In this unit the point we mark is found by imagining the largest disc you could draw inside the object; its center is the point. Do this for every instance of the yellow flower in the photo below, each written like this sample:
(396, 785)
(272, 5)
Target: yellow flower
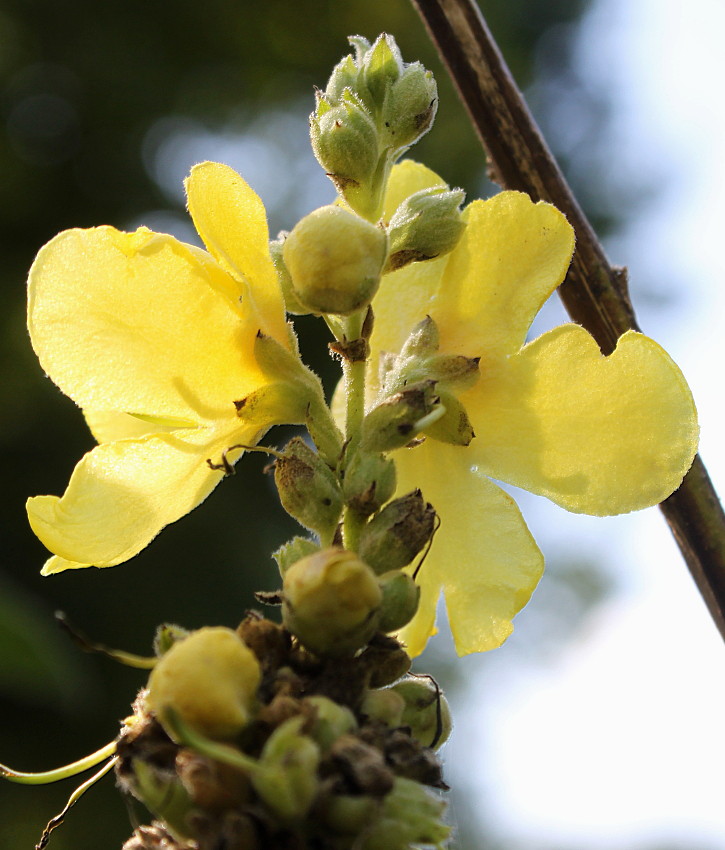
(597, 435)
(156, 340)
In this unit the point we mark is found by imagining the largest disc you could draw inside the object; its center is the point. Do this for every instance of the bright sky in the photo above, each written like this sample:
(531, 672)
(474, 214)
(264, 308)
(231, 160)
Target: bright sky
(619, 742)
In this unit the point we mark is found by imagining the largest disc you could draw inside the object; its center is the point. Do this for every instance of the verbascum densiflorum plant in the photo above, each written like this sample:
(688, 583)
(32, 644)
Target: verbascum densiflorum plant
(313, 733)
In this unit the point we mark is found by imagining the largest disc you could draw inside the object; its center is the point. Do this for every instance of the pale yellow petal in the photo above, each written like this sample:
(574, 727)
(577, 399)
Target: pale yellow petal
(597, 435)
(406, 178)
(483, 556)
(139, 323)
(231, 219)
(122, 494)
(108, 426)
(511, 257)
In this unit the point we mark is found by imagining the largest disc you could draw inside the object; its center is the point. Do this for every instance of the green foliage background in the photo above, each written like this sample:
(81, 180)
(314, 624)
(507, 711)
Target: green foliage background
(81, 85)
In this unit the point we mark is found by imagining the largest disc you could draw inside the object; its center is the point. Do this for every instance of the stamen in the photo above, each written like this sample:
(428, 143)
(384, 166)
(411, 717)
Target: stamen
(228, 467)
(48, 776)
(427, 548)
(140, 662)
(72, 800)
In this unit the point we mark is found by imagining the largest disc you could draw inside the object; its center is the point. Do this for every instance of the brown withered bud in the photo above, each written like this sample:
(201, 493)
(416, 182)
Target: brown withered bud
(398, 533)
(400, 418)
(369, 482)
(308, 489)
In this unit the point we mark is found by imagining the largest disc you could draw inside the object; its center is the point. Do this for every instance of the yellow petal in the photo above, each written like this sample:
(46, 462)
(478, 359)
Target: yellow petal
(511, 257)
(597, 435)
(107, 426)
(406, 178)
(139, 323)
(483, 556)
(122, 494)
(231, 220)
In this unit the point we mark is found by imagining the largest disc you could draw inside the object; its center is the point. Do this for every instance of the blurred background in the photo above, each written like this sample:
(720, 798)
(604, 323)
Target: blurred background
(598, 726)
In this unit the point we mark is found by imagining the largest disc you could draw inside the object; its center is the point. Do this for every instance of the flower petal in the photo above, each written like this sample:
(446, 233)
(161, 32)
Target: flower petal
(511, 257)
(122, 494)
(595, 434)
(139, 323)
(231, 219)
(483, 556)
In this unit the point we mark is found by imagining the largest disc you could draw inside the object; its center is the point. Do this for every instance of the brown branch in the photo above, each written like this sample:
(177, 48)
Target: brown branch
(594, 292)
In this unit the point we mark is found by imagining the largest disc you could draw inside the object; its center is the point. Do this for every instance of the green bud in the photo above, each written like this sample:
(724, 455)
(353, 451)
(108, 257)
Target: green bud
(209, 680)
(291, 303)
(369, 482)
(381, 67)
(308, 488)
(453, 370)
(335, 259)
(164, 795)
(344, 75)
(349, 814)
(411, 106)
(384, 705)
(167, 634)
(286, 776)
(426, 225)
(398, 419)
(331, 601)
(409, 815)
(454, 426)
(292, 551)
(386, 662)
(398, 533)
(426, 711)
(331, 721)
(400, 600)
(422, 341)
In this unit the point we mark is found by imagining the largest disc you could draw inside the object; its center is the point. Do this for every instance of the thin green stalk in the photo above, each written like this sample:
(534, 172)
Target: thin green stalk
(59, 773)
(354, 383)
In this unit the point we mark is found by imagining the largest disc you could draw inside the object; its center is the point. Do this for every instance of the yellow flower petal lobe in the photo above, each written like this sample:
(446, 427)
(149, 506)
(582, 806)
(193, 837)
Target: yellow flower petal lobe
(231, 219)
(139, 323)
(595, 434)
(511, 257)
(483, 556)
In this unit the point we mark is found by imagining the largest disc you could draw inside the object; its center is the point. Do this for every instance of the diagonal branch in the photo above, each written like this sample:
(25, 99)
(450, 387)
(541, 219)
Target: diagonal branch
(594, 292)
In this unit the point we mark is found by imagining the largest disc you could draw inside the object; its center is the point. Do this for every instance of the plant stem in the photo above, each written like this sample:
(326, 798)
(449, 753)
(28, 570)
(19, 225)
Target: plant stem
(354, 383)
(594, 292)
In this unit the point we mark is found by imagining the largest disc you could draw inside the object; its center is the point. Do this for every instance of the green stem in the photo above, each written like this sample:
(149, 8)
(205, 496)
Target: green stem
(354, 377)
(61, 772)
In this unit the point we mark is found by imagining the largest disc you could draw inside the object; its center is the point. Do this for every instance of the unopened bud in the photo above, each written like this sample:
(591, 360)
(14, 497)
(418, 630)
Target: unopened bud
(164, 795)
(411, 106)
(398, 533)
(454, 426)
(292, 303)
(344, 75)
(426, 225)
(331, 721)
(381, 67)
(400, 600)
(167, 634)
(209, 680)
(426, 711)
(286, 776)
(384, 705)
(292, 551)
(410, 815)
(369, 482)
(397, 420)
(308, 489)
(335, 259)
(331, 602)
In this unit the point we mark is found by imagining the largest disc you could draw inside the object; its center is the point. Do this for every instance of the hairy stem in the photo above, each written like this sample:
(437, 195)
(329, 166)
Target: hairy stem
(594, 292)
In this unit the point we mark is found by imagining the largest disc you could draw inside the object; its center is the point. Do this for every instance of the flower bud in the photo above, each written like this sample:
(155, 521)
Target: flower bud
(331, 601)
(369, 482)
(292, 551)
(426, 711)
(335, 259)
(398, 533)
(167, 634)
(308, 489)
(400, 600)
(291, 302)
(409, 815)
(398, 419)
(331, 721)
(426, 225)
(286, 776)
(209, 679)
(411, 106)
(164, 795)
(381, 67)
(384, 705)
(345, 75)
(453, 426)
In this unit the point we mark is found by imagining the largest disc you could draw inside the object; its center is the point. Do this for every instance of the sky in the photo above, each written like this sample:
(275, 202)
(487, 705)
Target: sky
(618, 741)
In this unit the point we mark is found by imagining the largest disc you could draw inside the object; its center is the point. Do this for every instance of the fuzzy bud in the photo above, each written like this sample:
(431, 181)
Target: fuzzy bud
(335, 259)
(398, 533)
(369, 482)
(411, 106)
(331, 721)
(308, 489)
(426, 711)
(409, 815)
(453, 426)
(426, 225)
(400, 600)
(384, 705)
(331, 601)
(398, 419)
(291, 301)
(209, 680)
